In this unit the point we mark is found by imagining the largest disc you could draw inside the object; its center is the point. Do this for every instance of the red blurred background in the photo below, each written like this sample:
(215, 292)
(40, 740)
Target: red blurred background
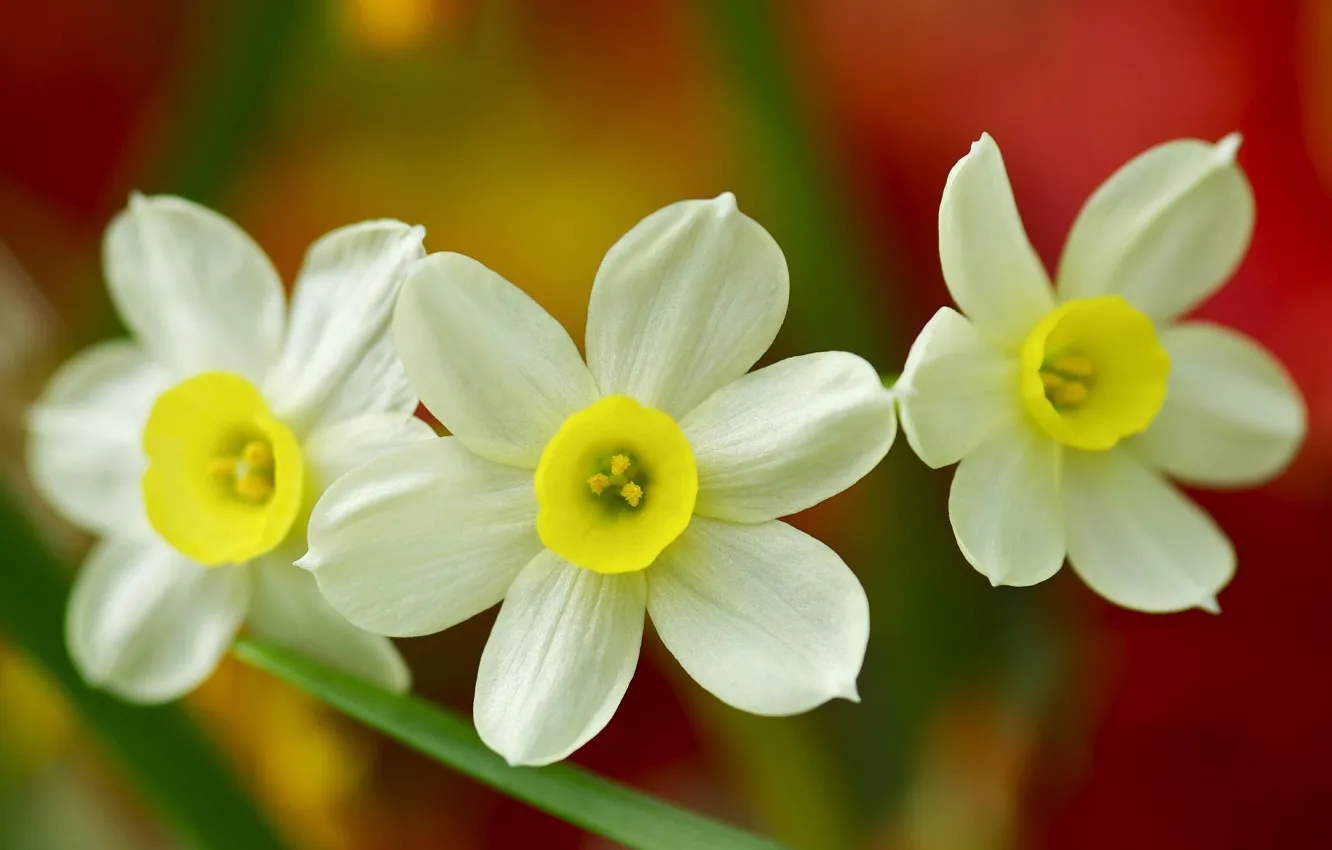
(531, 135)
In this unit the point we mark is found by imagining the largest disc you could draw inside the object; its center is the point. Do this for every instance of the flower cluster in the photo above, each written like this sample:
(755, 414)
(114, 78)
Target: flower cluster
(246, 464)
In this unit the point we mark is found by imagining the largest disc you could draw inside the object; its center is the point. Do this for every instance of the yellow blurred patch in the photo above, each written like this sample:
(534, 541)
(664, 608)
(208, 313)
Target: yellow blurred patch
(35, 723)
(311, 766)
(392, 26)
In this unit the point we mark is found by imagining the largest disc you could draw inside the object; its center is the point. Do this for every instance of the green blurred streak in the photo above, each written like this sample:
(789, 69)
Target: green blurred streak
(786, 766)
(166, 755)
(564, 790)
(225, 98)
(804, 201)
(935, 621)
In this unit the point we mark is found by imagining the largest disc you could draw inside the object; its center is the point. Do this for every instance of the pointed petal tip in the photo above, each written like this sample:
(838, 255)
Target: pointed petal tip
(725, 204)
(849, 692)
(518, 760)
(138, 203)
(1228, 147)
(1210, 605)
(306, 562)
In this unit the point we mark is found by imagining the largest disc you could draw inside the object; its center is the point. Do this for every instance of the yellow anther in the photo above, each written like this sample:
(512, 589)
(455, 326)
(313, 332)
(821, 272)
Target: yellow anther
(619, 464)
(631, 492)
(598, 483)
(251, 474)
(1071, 366)
(1051, 381)
(258, 455)
(1068, 394)
(256, 488)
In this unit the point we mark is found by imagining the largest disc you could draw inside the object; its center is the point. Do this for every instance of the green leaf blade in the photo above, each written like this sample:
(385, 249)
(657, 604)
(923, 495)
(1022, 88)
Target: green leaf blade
(568, 792)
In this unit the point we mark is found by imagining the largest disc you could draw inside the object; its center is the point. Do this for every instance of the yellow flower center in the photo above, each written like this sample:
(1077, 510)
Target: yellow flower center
(615, 485)
(225, 479)
(1093, 372)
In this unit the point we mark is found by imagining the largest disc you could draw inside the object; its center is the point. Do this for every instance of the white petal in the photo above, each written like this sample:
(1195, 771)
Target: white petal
(488, 362)
(1165, 231)
(422, 538)
(288, 610)
(195, 289)
(559, 659)
(788, 436)
(85, 450)
(957, 388)
(147, 623)
(334, 450)
(1232, 416)
(684, 304)
(991, 269)
(338, 361)
(765, 617)
(1005, 507)
(1137, 540)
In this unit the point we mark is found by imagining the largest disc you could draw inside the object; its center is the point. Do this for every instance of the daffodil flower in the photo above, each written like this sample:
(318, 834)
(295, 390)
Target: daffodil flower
(1068, 405)
(196, 450)
(649, 479)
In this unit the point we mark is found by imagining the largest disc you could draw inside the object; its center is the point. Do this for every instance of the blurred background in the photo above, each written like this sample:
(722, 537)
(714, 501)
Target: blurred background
(530, 135)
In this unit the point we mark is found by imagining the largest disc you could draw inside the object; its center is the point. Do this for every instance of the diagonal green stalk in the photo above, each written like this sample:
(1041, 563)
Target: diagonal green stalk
(165, 754)
(568, 792)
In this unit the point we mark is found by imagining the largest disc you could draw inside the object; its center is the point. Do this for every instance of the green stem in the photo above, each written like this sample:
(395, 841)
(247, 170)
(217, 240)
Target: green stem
(564, 790)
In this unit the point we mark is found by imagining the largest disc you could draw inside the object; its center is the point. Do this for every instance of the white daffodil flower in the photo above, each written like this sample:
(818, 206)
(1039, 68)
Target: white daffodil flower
(196, 451)
(648, 479)
(1068, 405)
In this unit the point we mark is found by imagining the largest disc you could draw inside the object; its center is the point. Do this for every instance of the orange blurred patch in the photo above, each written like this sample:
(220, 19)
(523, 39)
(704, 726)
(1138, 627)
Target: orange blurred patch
(309, 765)
(1316, 84)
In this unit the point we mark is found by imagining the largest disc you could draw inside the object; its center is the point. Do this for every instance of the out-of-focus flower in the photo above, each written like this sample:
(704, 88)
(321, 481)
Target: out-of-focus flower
(649, 479)
(1065, 404)
(196, 451)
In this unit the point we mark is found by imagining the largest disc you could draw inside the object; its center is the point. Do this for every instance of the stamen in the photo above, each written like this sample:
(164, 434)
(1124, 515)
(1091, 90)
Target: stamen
(1067, 394)
(1064, 379)
(632, 493)
(256, 488)
(599, 483)
(258, 455)
(619, 464)
(251, 474)
(1071, 366)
